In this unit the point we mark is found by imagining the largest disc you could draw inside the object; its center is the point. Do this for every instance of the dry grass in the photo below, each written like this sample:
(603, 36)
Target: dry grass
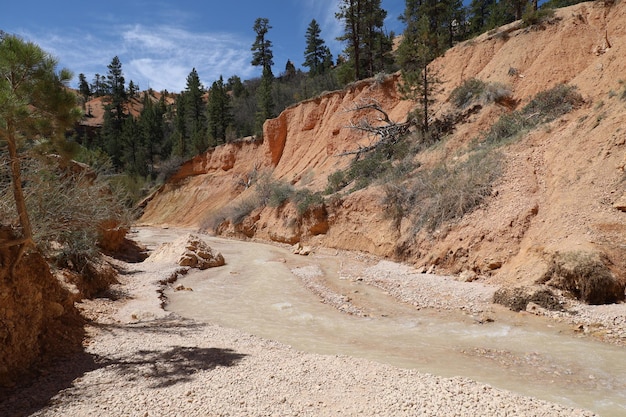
(586, 276)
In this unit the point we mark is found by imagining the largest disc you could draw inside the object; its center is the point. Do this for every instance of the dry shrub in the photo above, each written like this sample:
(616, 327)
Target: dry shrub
(517, 298)
(584, 275)
(67, 207)
(444, 193)
(543, 108)
(475, 90)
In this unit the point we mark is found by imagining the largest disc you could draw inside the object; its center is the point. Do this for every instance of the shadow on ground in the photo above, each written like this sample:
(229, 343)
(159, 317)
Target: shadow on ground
(178, 364)
(161, 367)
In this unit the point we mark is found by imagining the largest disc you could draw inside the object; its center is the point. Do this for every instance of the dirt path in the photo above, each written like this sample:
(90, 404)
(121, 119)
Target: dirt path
(143, 361)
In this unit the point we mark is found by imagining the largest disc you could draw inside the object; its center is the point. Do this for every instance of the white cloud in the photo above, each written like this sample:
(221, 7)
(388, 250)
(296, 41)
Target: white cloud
(163, 56)
(158, 57)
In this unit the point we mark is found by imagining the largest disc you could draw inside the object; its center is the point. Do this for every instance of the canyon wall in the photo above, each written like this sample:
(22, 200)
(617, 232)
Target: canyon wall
(562, 183)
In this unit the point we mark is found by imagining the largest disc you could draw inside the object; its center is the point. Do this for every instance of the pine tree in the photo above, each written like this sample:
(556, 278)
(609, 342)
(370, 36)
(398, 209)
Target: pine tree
(83, 86)
(34, 101)
(265, 101)
(419, 47)
(363, 32)
(191, 118)
(115, 84)
(219, 112)
(316, 54)
(151, 128)
(262, 55)
(479, 13)
(114, 115)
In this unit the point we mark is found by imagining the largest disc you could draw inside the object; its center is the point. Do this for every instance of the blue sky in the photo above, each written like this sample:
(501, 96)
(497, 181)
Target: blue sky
(159, 42)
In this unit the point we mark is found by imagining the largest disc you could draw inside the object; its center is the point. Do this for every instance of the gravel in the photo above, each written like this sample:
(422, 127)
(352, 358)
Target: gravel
(143, 361)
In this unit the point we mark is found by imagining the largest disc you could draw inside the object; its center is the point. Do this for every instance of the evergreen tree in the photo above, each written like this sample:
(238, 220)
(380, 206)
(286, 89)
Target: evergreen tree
(420, 45)
(115, 84)
(219, 112)
(34, 101)
(152, 132)
(363, 32)
(316, 54)
(133, 89)
(133, 154)
(98, 87)
(114, 113)
(290, 71)
(265, 101)
(479, 15)
(262, 55)
(191, 118)
(235, 85)
(83, 86)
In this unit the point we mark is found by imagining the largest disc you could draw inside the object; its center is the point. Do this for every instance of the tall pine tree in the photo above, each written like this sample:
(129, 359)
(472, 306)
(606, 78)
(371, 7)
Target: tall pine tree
(366, 41)
(316, 55)
(262, 55)
(219, 111)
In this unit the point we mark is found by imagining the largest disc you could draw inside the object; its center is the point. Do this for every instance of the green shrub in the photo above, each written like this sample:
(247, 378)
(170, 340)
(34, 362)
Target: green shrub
(273, 193)
(66, 207)
(467, 92)
(534, 17)
(304, 199)
(551, 104)
(473, 90)
(336, 181)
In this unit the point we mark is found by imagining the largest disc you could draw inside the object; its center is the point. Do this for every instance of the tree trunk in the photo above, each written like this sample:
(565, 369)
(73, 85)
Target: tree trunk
(18, 195)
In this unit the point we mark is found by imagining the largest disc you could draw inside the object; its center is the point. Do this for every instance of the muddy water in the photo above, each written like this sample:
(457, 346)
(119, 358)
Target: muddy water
(257, 293)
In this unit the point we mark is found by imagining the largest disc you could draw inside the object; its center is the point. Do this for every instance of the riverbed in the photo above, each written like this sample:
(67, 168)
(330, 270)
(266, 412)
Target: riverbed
(263, 290)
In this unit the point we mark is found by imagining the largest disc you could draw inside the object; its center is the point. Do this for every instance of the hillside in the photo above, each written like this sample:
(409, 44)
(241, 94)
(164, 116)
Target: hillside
(563, 185)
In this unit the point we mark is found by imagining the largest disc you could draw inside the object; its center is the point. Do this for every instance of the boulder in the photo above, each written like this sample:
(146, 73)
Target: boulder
(200, 255)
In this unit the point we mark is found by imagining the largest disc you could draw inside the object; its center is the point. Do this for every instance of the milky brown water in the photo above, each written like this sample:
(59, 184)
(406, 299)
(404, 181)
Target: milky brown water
(257, 293)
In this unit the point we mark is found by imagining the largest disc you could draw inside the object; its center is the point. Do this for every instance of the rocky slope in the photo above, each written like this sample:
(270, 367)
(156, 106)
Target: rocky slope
(562, 191)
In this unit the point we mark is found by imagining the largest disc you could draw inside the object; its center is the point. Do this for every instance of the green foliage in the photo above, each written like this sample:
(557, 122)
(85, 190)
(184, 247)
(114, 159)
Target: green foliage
(473, 90)
(67, 207)
(262, 47)
(534, 17)
(555, 4)
(317, 56)
(304, 199)
(265, 101)
(467, 92)
(543, 108)
(367, 46)
(390, 160)
(273, 193)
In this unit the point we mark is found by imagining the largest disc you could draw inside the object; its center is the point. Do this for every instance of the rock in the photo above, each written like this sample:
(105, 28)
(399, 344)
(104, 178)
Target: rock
(620, 204)
(467, 276)
(199, 255)
(492, 265)
(298, 249)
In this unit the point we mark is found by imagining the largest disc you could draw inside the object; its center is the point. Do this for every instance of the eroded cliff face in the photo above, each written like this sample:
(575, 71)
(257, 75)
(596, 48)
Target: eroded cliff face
(562, 183)
(38, 319)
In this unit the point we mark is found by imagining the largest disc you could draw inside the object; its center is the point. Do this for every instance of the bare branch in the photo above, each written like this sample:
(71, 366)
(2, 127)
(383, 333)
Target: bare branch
(389, 132)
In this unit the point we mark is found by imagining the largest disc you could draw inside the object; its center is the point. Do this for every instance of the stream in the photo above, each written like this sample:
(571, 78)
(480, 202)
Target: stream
(257, 293)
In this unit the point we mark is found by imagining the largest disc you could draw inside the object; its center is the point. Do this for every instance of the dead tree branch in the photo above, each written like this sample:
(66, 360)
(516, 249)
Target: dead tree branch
(388, 133)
